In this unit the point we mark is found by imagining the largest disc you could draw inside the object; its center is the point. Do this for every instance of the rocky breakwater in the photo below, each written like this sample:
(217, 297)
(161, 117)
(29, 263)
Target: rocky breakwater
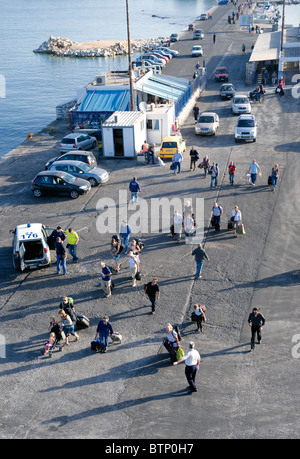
(64, 47)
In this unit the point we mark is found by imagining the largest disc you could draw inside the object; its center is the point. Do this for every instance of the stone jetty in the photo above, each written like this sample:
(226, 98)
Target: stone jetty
(65, 47)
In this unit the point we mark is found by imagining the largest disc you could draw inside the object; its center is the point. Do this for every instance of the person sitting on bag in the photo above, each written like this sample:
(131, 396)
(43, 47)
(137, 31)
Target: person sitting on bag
(236, 217)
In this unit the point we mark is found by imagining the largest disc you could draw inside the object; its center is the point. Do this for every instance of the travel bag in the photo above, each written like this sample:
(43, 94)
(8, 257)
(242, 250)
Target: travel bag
(82, 321)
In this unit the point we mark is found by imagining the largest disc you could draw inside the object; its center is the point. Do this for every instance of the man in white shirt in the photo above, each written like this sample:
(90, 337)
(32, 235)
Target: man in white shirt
(192, 361)
(253, 169)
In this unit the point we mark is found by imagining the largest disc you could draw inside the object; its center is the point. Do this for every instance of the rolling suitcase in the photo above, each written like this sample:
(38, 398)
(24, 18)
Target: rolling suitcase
(231, 225)
(270, 180)
(82, 321)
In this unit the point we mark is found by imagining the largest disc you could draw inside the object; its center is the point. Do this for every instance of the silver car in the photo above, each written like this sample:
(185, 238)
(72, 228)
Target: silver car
(94, 175)
(77, 142)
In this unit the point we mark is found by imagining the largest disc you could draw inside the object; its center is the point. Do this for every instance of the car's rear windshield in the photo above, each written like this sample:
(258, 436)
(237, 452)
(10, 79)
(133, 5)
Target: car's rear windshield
(206, 119)
(169, 145)
(68, 141)
(240, 100)
(246, 123)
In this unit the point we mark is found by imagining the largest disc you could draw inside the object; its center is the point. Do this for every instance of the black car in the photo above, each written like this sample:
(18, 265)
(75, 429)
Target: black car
(227, 91)
(59, 183)
(84, 156)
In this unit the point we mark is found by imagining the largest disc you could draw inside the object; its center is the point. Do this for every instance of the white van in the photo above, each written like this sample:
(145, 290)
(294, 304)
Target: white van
(31, 248)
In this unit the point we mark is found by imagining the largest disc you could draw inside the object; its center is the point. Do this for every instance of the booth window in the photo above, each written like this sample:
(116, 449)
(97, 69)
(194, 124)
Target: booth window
(152, 125)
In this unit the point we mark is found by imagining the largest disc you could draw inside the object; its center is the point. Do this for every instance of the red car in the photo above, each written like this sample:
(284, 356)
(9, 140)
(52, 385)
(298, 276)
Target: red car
(221, 74)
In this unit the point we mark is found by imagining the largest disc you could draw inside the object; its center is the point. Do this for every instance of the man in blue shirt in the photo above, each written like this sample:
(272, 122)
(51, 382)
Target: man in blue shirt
(177, 159)
(104, 329)
(253, 168)
(125, 232)
(134, 188)
(106, 279)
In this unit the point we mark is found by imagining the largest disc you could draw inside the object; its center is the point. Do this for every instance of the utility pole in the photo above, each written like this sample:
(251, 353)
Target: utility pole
(129, 59)
(282, 29)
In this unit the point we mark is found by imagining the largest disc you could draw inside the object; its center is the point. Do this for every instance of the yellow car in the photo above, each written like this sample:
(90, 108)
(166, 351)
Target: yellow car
(170, 145)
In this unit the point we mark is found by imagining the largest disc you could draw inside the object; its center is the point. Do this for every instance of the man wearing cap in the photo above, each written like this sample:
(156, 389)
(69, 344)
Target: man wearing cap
(192, 361)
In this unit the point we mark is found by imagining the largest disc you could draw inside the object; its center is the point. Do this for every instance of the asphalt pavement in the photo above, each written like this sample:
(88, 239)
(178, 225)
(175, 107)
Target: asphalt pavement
(133, 391)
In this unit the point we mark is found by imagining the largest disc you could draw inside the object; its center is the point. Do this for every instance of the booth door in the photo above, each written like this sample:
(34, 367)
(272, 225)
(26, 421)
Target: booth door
(118, 142)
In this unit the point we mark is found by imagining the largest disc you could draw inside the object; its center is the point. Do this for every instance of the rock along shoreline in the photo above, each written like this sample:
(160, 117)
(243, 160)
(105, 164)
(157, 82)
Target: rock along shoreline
(64, 47)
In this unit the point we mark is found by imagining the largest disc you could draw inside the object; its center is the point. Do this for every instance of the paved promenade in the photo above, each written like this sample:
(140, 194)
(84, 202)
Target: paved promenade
(133, 392)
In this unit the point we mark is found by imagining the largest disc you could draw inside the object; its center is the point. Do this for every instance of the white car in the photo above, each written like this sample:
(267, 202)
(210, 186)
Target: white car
(77, 142)
(240, 104)
(198, 34)
(207, 124)
(31, 248)
(245, 128)
(197, 51)
(203, 17)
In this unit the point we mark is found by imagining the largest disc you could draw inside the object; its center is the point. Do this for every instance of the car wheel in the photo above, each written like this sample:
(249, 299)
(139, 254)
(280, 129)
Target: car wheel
(254, 140)
(74, 194)
(93, 182)
(37, 193)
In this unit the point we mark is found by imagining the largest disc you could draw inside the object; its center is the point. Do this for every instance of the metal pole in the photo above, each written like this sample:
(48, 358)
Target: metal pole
(282, 30)
(129, 59)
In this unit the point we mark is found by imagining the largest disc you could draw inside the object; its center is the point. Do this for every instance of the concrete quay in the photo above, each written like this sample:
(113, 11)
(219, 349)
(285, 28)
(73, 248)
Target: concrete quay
(133, 392)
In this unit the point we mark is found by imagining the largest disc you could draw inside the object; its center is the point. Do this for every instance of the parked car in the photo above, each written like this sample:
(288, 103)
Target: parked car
(77, 142)
(171, 51)
(164, 52)
(198, 34)
(153, 59)
(147, 65)
(207, 124)
(94, 175)
(84, 156)
(170, 145)
(31, 248)
(246, 128)
(174, 37)
(159, 56)
(197, 51)
(227, 91)
(59, 183)
(221, 74)
(203, 17)
(240, 104)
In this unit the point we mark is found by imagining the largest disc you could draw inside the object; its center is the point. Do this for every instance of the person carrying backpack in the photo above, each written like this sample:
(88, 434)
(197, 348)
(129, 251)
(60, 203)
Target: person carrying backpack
(67, 305)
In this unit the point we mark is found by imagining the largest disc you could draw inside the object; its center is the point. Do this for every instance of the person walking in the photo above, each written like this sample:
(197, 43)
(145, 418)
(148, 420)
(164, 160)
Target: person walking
(105, 279)
(236, 217)
(200, 310)
(61, 256)
(152, 291)
(104, 329)
(205, 164)
(217, 212)
(68, 326)
(196, 111)
(177, 222)
(67, 305)
(231, 171)
(194, 158)
(115, 250)
(243, 48)
(172, 342)
(125, 232)
(134, 188)
(253, 169)
(133, 267)
(192, 362)
(177, 159)
(275, 176)
(73, 240)
(214, 175)
(256, 322)
(199, 254)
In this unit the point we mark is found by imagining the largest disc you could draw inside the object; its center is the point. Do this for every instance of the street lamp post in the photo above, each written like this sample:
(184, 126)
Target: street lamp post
(129, 59)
